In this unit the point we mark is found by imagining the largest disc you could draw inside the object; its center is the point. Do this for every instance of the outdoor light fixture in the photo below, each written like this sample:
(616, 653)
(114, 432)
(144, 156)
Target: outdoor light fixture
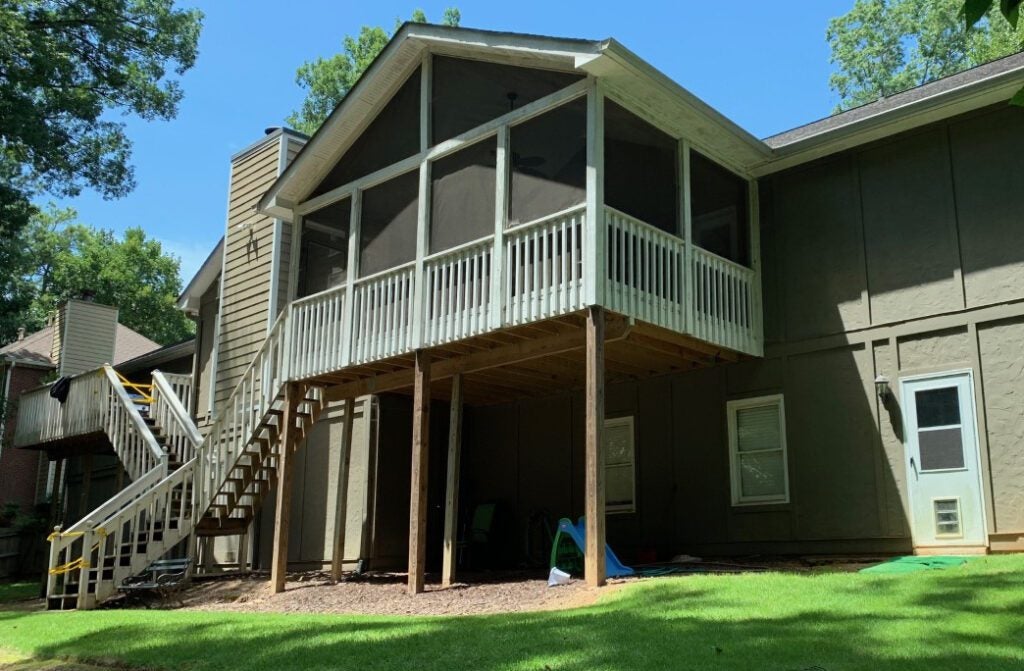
(882, 387)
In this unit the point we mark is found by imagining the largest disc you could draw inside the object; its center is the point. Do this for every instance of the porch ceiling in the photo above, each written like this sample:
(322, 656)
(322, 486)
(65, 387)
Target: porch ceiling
(540, 359)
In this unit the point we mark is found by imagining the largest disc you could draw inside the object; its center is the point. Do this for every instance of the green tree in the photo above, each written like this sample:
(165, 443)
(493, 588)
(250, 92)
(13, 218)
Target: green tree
(882, 47)
(328, 80)
(62, 258)
(65, 65)
(974, 11)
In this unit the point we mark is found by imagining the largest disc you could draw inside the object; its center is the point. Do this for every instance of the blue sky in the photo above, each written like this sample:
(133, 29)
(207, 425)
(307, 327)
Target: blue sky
(765, 65)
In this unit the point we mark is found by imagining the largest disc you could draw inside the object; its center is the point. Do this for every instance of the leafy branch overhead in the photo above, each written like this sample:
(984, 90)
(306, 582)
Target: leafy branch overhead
(882, 47)
(976, 10)
(328, 80)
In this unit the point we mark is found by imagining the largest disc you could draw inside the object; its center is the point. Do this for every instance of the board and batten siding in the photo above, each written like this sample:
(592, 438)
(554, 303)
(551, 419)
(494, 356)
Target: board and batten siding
(895, 258)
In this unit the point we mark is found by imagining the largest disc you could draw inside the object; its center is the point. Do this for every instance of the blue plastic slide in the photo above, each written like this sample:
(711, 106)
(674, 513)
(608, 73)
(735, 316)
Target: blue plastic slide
(578, 533)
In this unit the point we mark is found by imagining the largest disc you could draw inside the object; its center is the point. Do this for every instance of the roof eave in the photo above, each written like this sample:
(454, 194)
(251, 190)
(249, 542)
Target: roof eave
(948, 103)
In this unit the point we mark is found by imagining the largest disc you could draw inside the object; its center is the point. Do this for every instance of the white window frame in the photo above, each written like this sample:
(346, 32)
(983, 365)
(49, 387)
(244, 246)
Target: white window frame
(732, 409)
(613, 422)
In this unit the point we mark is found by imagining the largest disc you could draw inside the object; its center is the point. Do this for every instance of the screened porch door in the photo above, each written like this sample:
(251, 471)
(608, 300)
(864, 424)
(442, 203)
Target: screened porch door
(943, 472)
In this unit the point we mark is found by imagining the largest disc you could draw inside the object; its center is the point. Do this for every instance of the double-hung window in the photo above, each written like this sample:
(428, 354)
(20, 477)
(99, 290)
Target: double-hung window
(757, 450)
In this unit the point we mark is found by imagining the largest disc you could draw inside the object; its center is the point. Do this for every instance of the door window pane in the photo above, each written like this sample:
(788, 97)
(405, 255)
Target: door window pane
(941, 449)
(947, 517)
(937, 407)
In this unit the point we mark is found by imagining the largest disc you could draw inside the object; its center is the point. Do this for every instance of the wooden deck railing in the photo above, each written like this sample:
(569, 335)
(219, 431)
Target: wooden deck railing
(168, 410)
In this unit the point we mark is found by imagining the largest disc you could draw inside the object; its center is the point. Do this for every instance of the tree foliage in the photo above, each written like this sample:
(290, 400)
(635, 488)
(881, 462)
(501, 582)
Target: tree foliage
(882, 47)
(976, 10)
(328, 80)
(64, 66)
(61, 258)
(63, 63)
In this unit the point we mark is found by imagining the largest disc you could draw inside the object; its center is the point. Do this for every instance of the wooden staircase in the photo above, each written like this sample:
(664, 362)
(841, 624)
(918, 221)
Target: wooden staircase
(208, 486)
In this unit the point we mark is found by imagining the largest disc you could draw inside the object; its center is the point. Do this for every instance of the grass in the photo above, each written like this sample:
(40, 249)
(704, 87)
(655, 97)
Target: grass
(18, 591)
(965, 618)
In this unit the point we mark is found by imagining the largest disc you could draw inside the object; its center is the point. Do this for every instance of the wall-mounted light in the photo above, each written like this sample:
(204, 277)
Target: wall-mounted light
(882, 387)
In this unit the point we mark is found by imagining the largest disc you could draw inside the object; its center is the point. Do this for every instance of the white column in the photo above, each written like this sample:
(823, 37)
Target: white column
(594, 274)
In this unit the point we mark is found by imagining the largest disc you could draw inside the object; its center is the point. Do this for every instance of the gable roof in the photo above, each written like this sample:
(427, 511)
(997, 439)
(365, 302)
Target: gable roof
(200, 283)
(647, 88)
(618, 67)
(35, 348)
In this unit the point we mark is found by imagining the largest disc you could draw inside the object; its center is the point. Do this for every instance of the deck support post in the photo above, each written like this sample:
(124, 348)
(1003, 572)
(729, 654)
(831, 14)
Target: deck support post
(285, 468)
(451, 499)
(420, 460)
(594, 560)
(341, 495)
(83, 501)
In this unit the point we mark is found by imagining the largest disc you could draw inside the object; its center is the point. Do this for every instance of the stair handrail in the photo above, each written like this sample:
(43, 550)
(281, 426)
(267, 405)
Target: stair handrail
(239, 416)
(123, 418)
(171, 416)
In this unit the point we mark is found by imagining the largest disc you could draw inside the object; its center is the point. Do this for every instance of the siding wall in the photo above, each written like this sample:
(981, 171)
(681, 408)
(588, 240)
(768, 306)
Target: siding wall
(248, 252)
(897, 258)
(88, 331)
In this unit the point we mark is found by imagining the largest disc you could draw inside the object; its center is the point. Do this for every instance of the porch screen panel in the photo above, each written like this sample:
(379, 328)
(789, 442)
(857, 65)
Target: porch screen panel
(640, 169)
(392, 136)
(548, 163)
(323, 258)
(467, 93)
(462, 196)
(387, 233)
(719, 209)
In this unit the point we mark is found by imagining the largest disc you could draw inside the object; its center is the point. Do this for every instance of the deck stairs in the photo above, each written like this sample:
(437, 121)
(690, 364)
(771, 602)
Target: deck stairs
(202, 486)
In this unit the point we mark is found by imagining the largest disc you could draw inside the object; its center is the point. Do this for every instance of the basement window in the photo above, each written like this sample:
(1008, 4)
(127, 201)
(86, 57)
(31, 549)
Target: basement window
(757, 451)
(619, 466)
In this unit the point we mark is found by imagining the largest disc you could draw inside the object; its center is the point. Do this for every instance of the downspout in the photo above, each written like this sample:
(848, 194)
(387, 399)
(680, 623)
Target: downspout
(8, 373)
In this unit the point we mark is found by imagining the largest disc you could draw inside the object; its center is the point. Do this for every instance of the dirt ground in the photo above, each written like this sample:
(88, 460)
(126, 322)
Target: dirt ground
(383, 594)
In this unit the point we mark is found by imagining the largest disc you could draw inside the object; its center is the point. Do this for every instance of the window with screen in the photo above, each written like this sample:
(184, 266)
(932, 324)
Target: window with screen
(387, 224)
(323, 258)
(939, 432)
(719, 209)
(757, 451)
(548, 163)
(619, 466)
(462, 193)
(640, 168)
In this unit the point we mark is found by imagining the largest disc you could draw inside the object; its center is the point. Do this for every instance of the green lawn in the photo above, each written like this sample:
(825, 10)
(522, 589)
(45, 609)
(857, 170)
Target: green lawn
(18, 591)
(970, 617)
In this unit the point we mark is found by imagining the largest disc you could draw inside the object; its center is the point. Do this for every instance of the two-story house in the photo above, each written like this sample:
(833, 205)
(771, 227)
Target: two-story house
(543, 278)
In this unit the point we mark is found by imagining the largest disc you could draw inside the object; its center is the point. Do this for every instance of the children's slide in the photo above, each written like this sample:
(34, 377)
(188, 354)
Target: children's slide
(578, 534)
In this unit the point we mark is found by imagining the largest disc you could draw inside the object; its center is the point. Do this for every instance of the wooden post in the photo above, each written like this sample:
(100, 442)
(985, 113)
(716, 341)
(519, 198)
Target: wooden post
(341, 497)
(56, 495)
(594, 555)
(243, 550)
(83, 501)
(285, 468)
(420, 458)
(451, 500)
